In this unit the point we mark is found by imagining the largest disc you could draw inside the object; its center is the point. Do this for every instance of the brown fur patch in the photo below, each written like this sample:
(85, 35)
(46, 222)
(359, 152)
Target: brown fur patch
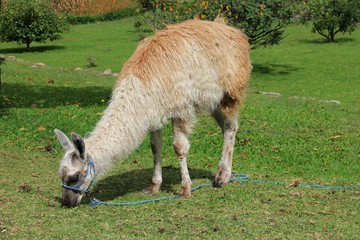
(229, 105)
(194, 44)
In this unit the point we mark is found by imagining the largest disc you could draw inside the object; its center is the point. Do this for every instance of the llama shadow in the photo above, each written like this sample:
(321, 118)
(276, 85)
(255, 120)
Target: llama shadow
(112, 187)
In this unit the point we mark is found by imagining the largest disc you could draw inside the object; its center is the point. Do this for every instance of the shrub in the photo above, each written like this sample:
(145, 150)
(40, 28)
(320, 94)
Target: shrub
(331, 17)
(27, 21)
(263, 21)
(110, 16)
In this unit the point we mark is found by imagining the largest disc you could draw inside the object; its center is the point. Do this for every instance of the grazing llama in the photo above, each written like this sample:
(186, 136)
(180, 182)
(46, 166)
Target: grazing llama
(187, 68)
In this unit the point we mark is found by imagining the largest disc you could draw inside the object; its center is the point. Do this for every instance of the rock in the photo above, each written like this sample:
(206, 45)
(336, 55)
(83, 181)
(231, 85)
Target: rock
(115, 75)
(330, 101)
(303, 98)
(272, 94)
(107, 72)
(334, 101)
(294, 97)
(38, 65)
(78, 69)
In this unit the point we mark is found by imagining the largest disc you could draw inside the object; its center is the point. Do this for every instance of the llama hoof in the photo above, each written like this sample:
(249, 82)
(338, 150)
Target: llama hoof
(217, 183)
(153, 189)
(221, 179)
(185, 192)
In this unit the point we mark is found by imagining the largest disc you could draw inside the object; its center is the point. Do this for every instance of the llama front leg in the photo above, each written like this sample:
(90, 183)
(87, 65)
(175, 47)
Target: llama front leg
(181, 144)
(156, 146)
(229, 126)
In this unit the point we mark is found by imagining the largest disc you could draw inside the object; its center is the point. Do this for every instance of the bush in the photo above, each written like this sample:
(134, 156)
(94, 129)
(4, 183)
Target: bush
(263, 21)
(331, 17)
(103, 17)
(27, 21)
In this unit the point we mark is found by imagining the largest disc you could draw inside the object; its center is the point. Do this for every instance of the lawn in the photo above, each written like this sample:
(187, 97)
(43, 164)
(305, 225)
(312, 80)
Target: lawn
(310, 131)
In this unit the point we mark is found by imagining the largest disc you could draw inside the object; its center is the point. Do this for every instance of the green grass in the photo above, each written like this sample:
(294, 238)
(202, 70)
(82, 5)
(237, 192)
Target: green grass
(280, 139)
(111, 43)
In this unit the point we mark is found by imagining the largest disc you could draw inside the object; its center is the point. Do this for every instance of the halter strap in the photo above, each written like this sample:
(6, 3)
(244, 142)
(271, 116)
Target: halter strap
(89, 169)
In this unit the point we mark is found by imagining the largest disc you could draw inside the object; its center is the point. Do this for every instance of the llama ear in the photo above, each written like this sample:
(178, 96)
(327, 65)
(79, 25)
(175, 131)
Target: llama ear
(64, 140)
(79, 144)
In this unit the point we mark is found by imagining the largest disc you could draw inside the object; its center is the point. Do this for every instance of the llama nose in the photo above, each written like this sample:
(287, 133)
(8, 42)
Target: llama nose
(65, 203)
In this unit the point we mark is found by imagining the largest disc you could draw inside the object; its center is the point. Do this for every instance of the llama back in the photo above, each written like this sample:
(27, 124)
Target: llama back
(195, 66)
(195, 62)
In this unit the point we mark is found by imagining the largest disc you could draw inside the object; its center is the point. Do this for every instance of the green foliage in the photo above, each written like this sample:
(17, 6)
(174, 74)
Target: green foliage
(111, 16)
(331, 17)
(263, 21)
(152, 5)
(27, 21)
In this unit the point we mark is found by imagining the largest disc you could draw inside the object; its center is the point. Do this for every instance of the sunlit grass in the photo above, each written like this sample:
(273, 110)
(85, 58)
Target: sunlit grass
(280, 139)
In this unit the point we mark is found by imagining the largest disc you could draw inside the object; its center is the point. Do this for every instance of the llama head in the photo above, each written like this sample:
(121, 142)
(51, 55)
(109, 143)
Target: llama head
(76, 172)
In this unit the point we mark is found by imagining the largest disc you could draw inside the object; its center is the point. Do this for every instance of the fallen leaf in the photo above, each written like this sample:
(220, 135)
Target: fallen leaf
(335, 137)
(294, 183)
(41, 128)
(41, 148)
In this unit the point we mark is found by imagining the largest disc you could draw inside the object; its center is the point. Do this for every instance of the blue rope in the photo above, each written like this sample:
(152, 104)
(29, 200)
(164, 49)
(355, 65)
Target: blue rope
(235, 177)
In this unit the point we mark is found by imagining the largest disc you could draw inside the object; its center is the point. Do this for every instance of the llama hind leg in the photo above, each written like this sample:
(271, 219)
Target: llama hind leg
(156, 146)
(181, 144)
(227, 120)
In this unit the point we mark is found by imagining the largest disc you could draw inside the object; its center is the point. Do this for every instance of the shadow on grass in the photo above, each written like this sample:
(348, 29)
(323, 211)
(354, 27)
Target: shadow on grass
(32, 49)
(325, 41)
(112, 187)
(274, 69)
(47, 96)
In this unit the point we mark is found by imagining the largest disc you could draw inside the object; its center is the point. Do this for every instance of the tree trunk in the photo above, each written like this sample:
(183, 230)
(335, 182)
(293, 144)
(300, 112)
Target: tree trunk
(2, 61)
(28, 45)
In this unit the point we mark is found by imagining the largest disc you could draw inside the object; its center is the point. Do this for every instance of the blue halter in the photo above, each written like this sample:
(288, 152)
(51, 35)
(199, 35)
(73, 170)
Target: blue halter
(89, 169)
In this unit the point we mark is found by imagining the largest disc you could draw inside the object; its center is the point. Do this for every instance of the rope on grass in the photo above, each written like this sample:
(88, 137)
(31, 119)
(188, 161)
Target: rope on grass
(235, 177)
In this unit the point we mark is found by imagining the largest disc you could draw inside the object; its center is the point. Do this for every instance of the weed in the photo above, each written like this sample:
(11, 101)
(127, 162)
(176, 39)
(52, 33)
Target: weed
(92, 61)
(25, 188)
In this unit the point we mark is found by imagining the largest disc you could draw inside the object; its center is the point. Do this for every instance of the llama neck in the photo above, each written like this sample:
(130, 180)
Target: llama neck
(123, 126)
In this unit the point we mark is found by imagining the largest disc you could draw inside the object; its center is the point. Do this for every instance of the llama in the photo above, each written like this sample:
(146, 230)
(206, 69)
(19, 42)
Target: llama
(183, 70)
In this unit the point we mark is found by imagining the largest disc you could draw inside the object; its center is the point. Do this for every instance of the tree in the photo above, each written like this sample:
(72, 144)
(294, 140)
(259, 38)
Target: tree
(263, 21)
(331, 17)
(27, 21)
